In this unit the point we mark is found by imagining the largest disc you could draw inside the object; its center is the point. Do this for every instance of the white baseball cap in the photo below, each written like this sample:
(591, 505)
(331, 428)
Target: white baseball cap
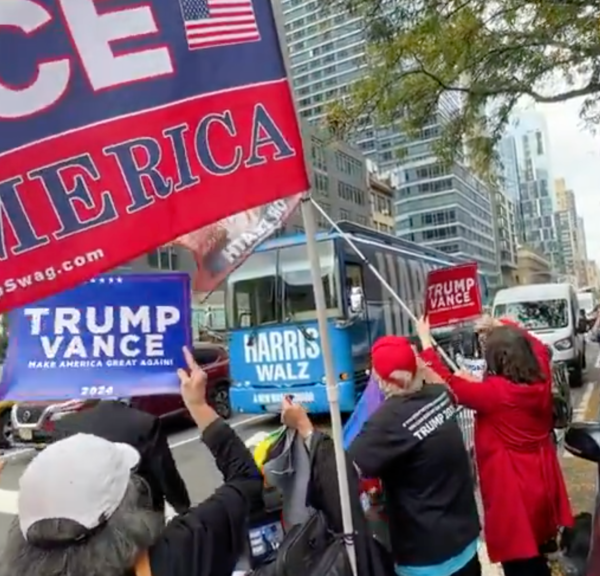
(81, 478)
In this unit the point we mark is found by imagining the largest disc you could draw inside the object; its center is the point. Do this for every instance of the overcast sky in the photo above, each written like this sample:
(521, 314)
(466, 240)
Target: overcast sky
(575, 156)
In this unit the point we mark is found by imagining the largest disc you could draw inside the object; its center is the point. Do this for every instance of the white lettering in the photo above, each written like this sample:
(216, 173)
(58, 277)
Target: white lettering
(51, 348)
(287, 371)
(270, 399)
(281, 346)
(154, 345)
(66, 319)
(166, 316)
(36, 315)
(49, 79)
(126, 346)
(93, 35)
(75, 348)
(131, 319)
(91, 319)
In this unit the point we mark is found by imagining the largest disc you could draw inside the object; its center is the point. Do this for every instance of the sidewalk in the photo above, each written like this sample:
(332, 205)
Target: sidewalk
(580, 477)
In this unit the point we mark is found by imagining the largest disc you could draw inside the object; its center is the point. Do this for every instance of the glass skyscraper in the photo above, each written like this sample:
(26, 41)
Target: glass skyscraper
(445, 207)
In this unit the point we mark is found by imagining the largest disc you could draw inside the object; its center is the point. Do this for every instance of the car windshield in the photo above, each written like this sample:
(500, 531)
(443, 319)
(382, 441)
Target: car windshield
(536, 315)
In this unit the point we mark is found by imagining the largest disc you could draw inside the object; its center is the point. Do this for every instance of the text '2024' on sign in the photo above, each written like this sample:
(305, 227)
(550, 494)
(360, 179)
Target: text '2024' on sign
(120, 126)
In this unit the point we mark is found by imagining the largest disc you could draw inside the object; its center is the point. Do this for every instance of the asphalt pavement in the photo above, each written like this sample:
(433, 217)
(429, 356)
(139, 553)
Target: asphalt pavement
(197, 467)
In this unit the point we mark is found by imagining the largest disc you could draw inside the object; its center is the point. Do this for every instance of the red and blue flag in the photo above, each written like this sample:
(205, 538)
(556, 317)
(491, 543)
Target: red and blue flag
(119, 134)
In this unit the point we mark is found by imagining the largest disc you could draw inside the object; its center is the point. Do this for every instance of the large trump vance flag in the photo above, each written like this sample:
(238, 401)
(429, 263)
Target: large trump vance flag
(124, 126)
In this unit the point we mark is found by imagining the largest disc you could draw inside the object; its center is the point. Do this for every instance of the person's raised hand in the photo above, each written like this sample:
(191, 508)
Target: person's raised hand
(192, 381)
(486, 323)
(428, 375)
(424, 331)
(294, 416)
(466, 375)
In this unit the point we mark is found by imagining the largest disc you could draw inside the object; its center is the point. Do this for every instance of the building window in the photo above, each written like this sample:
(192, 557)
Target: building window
(348, 165)
(351, 193)
(539, 143)
(345, 215)
(321, 184)
(164, 258)
(318, 156)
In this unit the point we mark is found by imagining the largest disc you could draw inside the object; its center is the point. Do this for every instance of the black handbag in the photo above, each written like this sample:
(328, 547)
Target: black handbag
(303, 547)
(333, 562)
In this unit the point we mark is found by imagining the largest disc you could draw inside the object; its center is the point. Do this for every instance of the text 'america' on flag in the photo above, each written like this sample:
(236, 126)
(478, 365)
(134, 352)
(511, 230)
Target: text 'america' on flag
(210, 23)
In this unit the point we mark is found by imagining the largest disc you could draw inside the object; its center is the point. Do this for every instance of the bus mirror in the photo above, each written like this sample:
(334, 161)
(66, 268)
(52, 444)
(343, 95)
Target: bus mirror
(357, 300)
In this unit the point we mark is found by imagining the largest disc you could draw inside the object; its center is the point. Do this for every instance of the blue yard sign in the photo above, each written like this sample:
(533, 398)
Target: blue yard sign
(112, 337)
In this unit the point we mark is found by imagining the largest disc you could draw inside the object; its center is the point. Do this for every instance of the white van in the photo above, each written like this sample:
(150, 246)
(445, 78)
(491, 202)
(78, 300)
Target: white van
(587, 303)
(551, 312)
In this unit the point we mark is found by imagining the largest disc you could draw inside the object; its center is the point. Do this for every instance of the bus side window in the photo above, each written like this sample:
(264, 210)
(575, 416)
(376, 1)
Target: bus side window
(354, 287)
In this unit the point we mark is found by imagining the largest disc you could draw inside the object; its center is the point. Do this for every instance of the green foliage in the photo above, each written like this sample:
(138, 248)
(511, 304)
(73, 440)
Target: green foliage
(489, 53)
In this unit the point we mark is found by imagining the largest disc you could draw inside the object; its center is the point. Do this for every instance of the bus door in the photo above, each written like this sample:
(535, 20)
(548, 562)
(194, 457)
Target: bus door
(356, 311)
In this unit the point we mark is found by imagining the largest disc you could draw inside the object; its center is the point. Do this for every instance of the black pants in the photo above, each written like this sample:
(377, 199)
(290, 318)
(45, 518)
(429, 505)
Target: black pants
(537, 566)
(473, 568)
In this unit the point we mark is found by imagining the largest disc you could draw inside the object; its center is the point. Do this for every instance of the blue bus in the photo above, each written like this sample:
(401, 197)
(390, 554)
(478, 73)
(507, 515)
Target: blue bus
(274, 339)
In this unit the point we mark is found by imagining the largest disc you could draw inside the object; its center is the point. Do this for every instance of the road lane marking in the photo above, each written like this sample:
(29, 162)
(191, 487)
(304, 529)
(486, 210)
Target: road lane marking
(15, 453)
(9, 499)
(234, 425)
(195, 436)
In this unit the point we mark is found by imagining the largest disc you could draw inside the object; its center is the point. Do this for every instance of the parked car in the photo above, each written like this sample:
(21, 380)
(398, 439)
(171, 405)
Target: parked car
(5, 424)
(34, 422)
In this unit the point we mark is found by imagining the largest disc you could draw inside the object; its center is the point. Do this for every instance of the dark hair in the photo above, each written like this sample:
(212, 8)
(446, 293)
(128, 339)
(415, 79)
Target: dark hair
(111, 551)
(508, 353)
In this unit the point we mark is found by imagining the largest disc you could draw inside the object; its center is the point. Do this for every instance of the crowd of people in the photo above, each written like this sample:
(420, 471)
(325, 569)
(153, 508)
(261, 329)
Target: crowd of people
(92, 503)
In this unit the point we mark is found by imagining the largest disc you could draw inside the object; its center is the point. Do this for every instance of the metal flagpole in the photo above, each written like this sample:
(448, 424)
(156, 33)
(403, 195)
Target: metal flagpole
(310, 229)
(379, 277)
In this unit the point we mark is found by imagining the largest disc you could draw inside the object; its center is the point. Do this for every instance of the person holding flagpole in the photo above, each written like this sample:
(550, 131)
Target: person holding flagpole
(523, 491)
(414, 445)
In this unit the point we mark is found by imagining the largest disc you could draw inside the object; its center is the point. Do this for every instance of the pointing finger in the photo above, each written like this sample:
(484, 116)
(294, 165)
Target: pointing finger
(189, 359)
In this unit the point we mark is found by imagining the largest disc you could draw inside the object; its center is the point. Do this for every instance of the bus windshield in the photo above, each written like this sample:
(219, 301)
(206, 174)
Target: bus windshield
(276, 286)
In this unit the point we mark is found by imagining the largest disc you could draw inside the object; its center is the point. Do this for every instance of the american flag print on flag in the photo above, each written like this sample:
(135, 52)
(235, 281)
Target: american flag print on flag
(210, 23)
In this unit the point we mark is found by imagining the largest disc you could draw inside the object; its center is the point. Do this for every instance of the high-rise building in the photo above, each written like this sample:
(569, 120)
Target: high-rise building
(442, 206)
(593, 274)
(451, 211)
(339, 176)
(533, 268)
(537, 197)
(509, 168)
(570, 234)
(506, 236)
(582, 268)
(382, 200)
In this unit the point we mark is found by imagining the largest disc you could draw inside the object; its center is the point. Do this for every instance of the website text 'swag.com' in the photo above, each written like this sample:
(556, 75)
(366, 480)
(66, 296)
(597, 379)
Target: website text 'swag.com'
(50, 274)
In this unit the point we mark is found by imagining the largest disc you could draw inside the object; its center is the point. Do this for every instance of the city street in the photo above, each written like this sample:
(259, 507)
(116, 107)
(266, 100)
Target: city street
(201, 476)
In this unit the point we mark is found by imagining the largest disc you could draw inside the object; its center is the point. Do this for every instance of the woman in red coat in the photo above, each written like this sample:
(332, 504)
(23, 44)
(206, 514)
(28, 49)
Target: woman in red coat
(524, 496)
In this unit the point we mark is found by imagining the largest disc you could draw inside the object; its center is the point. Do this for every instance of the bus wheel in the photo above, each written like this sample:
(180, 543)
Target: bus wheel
(219, 400)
